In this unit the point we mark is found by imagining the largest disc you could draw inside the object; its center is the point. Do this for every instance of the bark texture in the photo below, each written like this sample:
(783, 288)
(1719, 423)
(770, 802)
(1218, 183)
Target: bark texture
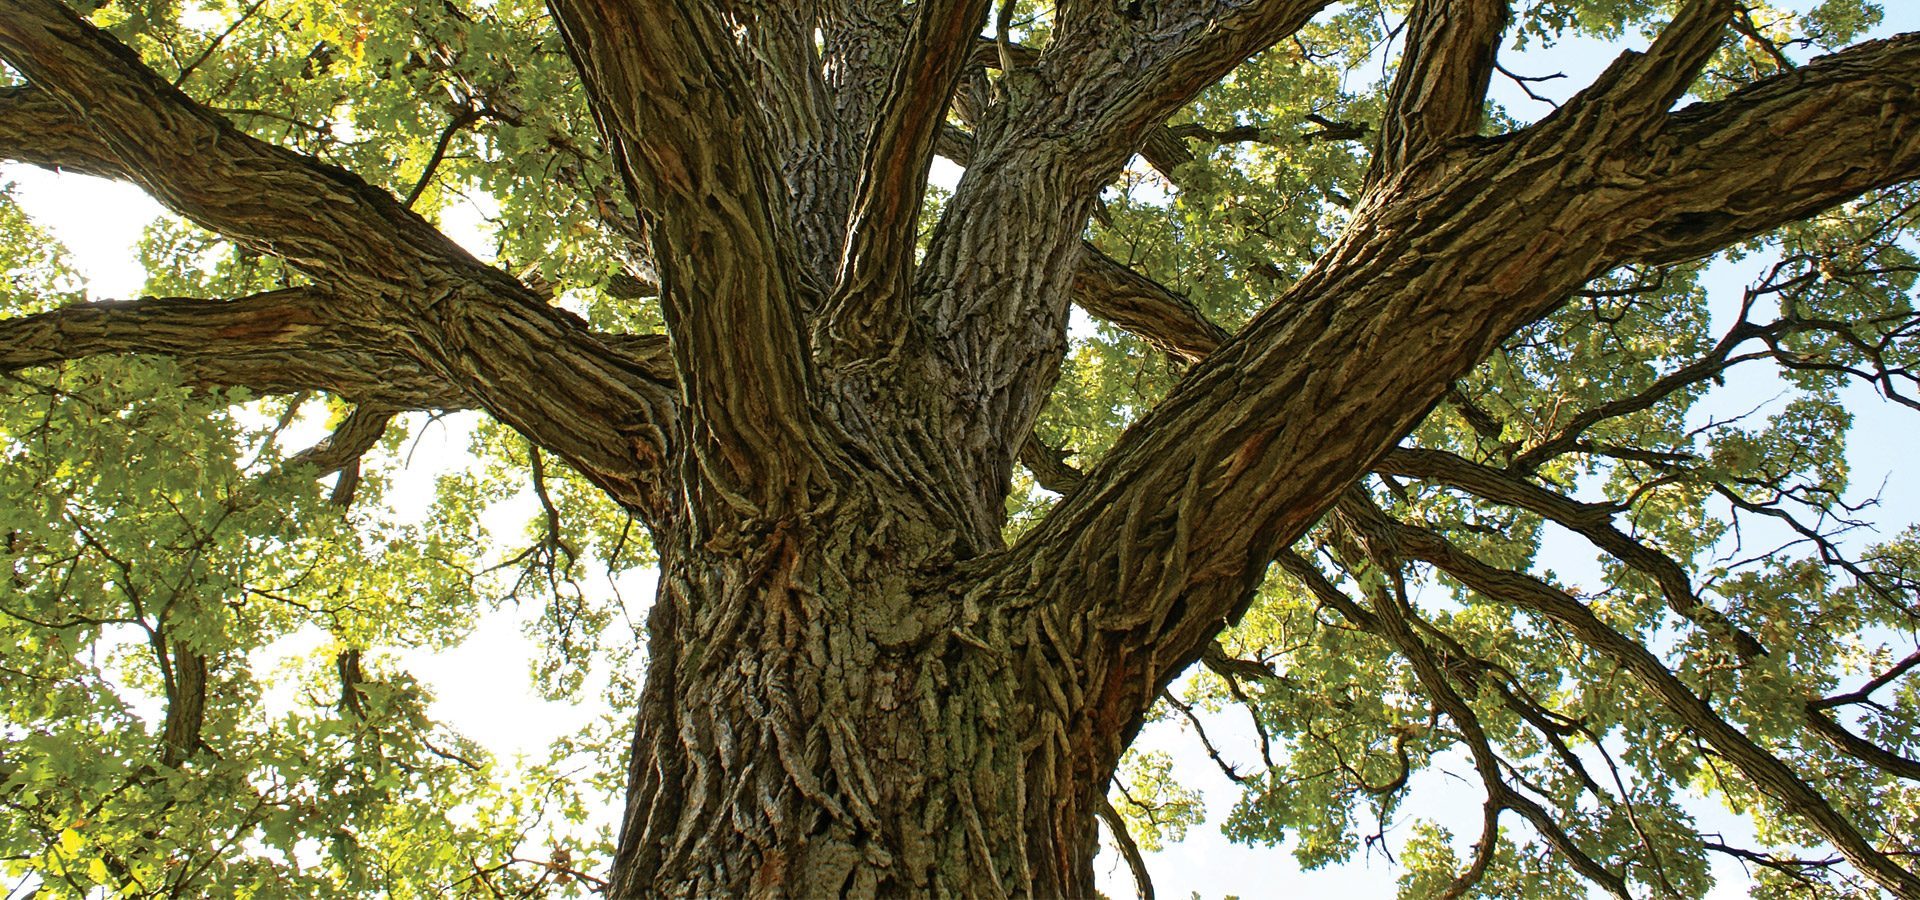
(854, 688)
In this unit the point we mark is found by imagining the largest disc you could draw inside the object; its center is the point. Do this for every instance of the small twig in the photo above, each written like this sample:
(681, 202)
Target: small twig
(1187, 711)
(217, 42)
(1744, 25)
(1860, 696)
(1142, 881)
(1524, 80)
(440, 152)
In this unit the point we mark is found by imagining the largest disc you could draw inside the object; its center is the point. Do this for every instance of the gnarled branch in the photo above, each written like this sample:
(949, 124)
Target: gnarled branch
(1173, 528)
(544, 373)
(870, 307)
(1440, 89)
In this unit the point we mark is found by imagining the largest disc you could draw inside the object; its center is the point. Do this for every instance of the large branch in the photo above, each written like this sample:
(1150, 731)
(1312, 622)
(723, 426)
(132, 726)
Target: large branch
(283, 341)
(666, 81)
(276, 342)
(870, 308)
(1440, 89)
(1150, 68)
(35, 129)
(535, 367)
(1175, 526)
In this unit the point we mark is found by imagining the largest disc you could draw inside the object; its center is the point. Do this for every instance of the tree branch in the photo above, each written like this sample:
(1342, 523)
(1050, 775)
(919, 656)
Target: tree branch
(870, 308)
(1161, 61)
(1644, 86)
(1136, 863)
(1879, 681)
(1440, 89)
(1049, 466)
(665, 79)
(341, 451)
(1860, 748)
(351, 439)
(1765, 771)
(1394, 616)
(1107, 288)
(543, 372)
(1591, 521)
(1111, 290)
(1174, 527)
(824, 105)
(35, 129)
(276, 342)
(1186, 712)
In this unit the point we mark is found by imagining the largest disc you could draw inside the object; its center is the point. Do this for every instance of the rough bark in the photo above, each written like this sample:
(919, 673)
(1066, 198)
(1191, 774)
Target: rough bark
(36, 129)
(853, 688)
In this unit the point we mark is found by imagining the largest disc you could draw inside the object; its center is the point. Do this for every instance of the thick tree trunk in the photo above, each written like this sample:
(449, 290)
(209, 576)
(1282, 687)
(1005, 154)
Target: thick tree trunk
(820, 719)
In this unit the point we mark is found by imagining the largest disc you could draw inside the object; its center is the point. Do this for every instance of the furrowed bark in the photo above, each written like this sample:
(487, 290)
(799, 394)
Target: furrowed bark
(534, 367)
(1440, 90)
(35, 129)
(1172, 530)
(868, 313)
(666, 81)
(1649, 84)
(1111, 290)
(991, 299)
(992, 288)
(817, 146)
(860, 41)
(1038, 665)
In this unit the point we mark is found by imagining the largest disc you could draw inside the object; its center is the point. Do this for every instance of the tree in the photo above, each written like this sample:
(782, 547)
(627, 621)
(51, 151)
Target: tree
(884, 658)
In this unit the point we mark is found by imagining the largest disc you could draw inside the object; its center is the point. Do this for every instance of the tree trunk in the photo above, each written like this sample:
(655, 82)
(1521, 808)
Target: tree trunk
(821, 719)
(854, 688)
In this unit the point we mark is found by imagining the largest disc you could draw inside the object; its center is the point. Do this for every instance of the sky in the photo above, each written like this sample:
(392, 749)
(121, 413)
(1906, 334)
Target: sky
(100, 222)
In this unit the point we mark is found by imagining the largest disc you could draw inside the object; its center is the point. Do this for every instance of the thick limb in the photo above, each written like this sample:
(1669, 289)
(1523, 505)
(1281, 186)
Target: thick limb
(543, 372)
(667, 83)
(869, 313)
(1171, 531)
(1441, 86)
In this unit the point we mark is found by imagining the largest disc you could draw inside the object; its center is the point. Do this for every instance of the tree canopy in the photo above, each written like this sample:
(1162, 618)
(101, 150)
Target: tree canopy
(1351, 344)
